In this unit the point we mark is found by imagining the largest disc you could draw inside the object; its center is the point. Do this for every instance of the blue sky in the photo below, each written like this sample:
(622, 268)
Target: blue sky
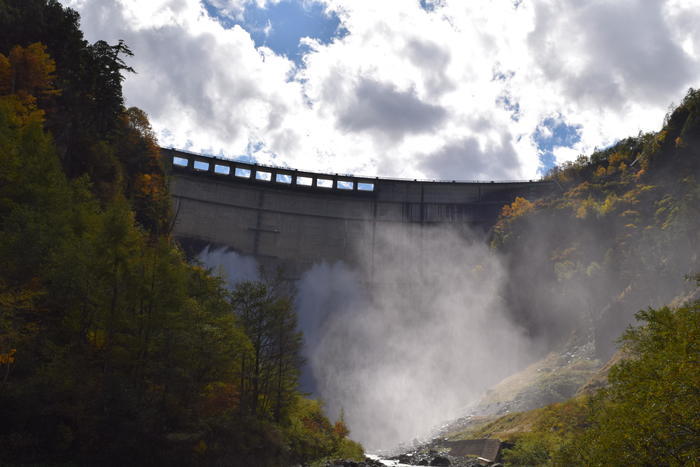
(280, 26)
(551, 134)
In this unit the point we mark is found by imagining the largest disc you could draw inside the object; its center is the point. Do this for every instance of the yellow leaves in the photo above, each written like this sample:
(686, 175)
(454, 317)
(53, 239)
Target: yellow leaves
(8, 358)
(600, 172)
(509, 213)
(580, 190)
(517, 208)
(581, 211)
(23, 112)
(616, 158)
(589, 205)
(27, 71)
(608, 205)
(5, 74)
(151, 186)
(680, 143)
(661, 136)
(584, 207)
(97, 338)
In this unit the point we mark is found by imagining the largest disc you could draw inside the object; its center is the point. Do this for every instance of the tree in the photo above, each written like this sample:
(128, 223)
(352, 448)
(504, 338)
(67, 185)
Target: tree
(269, 377)
(145, 185)
(649, 413)
(28, 71)
(113, 349)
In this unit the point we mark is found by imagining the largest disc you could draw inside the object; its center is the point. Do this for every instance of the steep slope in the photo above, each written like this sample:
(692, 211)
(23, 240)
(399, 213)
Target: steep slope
(622, 234)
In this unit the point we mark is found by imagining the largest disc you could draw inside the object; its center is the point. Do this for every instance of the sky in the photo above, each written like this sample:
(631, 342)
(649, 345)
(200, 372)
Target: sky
(434, 89)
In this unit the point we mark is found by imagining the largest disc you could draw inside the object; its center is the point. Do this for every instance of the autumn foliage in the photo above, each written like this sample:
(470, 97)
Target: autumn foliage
(621, 233)
(28, 72)
(114, 350)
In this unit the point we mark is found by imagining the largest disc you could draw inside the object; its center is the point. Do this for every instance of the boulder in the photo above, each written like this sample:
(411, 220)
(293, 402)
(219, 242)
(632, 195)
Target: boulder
(440, 461)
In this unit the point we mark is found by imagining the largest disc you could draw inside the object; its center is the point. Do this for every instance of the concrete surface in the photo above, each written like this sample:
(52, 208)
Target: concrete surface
(287, 218)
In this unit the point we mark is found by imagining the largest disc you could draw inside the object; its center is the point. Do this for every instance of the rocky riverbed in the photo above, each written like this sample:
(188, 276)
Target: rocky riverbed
(419, 457)
(368, 462)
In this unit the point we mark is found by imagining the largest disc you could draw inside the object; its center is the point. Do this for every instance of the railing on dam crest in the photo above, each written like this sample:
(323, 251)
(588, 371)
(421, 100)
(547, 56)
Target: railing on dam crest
(266, 174)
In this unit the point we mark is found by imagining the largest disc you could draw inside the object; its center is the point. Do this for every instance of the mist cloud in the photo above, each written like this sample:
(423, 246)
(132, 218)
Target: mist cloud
(229, 265)
(419, 344)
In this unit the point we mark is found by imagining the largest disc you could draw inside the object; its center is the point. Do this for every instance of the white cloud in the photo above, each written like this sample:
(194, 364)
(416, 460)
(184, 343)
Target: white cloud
(379, 108)
(610, 52)
(235, 8)
(457, 91)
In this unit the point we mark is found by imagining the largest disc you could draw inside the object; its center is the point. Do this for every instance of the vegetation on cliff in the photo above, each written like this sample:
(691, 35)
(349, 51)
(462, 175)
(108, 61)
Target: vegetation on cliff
(113, 349)
(647, 415)
(619, 235)
(623, 233)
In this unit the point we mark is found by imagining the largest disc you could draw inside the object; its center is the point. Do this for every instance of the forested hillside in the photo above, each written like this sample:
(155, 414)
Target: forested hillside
(113, 349)
(622, 235)
(646, 414)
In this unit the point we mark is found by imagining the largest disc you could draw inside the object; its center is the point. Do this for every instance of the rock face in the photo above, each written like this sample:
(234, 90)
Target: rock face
(484, 448)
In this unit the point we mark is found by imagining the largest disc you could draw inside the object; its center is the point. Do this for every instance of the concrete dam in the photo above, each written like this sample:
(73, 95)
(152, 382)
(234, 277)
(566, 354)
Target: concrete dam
(291, 219)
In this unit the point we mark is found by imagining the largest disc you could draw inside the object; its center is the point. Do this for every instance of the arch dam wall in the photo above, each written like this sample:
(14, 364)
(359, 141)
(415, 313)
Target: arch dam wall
(293, 219)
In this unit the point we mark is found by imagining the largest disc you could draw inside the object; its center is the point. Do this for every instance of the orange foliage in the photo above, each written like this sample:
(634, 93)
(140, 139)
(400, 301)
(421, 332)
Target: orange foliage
(8, 358)
(616, 158)
(340, 429)
(150, 186)
(27, 71)
(317, 422)
(517, 208)
(219, 398)
(581, 190)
